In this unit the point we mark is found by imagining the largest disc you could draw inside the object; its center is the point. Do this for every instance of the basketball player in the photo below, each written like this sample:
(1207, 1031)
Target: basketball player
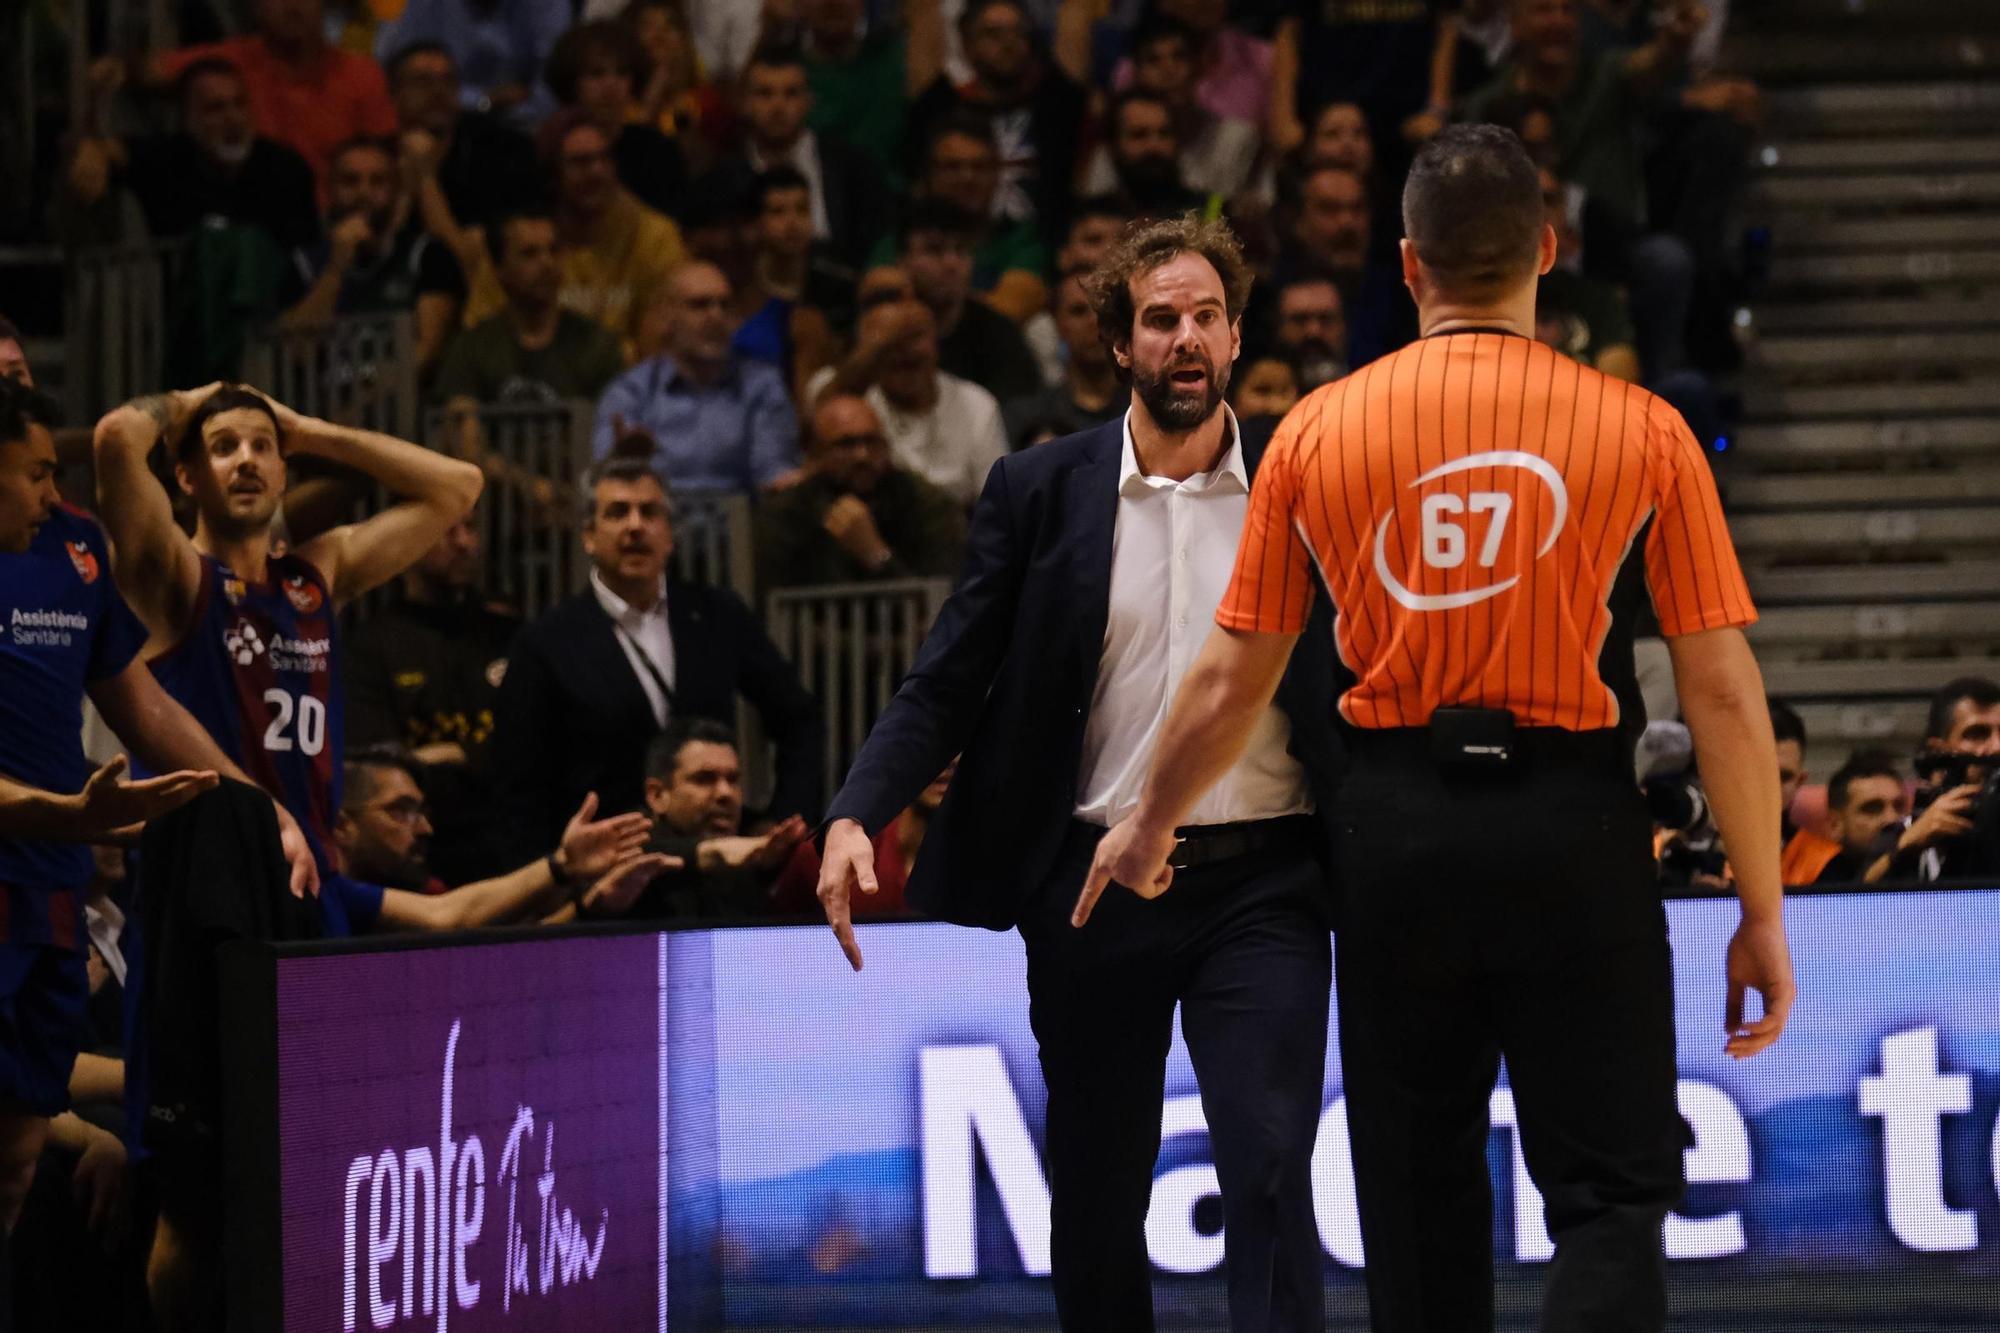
(243, 635)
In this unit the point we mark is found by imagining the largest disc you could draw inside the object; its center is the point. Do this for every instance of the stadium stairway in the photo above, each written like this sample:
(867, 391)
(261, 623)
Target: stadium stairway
(1863, 485)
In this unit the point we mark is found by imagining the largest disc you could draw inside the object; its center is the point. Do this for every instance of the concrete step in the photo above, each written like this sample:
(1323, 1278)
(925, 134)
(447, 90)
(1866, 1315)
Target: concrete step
(1836, 730)
(1851, 16)
(1850, 534)
(1830, 352)
(1884, 268)
(1872, 193)
(1821, 442)
(1862, 489)
(1768, 402)
(1948, 231)
(1901, 153)
(1909, 582)
(1855, 314)
(1831, 273)
(1787, 630)
(1917, 106)
(1905, 677)
(1774, 57)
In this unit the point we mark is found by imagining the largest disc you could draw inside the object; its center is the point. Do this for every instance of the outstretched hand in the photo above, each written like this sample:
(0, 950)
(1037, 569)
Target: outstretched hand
(619, 887)
(1130, 854)
(592, 846)
(108, 802)
(777, 845)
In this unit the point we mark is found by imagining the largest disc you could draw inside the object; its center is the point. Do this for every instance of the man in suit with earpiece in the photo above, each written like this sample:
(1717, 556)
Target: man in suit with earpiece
(596, 678)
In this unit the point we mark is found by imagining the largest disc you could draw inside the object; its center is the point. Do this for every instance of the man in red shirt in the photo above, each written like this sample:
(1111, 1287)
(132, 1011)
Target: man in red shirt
(305, 93)
(896, 847)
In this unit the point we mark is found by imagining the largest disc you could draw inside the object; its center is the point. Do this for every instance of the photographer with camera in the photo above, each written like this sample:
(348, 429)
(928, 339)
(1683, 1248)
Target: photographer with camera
(1951, 832)
(1864, 807)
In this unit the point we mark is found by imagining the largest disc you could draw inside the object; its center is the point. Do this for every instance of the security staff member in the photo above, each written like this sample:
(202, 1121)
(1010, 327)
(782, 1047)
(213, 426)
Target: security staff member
(1487, 514)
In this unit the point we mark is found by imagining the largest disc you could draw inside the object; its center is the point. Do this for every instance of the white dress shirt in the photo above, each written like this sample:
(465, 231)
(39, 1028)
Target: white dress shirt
(804, 157)
(642, 633)
(1172, 552)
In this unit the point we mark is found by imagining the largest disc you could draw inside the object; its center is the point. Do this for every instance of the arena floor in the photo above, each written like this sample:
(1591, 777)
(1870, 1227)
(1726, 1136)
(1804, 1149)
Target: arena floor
(1946, 1301)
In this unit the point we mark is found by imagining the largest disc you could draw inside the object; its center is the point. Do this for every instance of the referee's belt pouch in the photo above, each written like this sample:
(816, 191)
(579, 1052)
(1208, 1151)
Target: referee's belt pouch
(1473, 739)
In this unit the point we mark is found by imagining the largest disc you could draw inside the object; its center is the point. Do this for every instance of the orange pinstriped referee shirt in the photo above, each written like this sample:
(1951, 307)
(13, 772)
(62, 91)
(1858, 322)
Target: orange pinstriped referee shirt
(1469, 502)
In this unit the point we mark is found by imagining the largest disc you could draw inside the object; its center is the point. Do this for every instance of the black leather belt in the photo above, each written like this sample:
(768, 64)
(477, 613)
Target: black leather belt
(1207, 844)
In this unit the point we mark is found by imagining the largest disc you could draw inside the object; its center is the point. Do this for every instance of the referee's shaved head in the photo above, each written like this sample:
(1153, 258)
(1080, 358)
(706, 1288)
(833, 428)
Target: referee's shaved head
(1472, 210)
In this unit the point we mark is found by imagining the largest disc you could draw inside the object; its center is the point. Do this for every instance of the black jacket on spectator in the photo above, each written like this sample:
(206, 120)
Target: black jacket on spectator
(213, 872)
(987, 348)
(1045, 123)
(419, 674)
(573, 717)
(1005, 679)
(858, 199)
(178, 189)
(415, 264)
(490, 168)
(691, 892)
(650, 165)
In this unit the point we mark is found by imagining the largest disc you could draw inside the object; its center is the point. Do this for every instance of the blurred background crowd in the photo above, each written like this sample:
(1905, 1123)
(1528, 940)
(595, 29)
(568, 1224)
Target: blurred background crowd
(722, 310)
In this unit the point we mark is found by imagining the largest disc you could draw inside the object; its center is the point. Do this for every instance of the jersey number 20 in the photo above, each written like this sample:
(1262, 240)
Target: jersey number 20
(311, 731)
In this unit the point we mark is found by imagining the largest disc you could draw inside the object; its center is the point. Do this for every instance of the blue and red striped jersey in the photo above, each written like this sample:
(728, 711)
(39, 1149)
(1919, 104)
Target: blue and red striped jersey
(63, 627)
(257, 668)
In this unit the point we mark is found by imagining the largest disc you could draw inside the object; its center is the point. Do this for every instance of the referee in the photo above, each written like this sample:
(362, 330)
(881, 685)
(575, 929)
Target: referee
(1488, 515)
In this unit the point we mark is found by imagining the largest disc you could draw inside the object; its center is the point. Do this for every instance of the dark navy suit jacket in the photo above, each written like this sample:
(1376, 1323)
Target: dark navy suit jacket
(1006, 676)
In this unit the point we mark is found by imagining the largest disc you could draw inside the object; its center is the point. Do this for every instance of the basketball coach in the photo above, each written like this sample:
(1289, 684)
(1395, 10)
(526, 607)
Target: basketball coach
(1487, 514)
(1095, 567)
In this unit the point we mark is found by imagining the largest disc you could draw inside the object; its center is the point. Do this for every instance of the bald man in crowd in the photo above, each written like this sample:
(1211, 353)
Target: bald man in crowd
(856, 515)
(708, 419)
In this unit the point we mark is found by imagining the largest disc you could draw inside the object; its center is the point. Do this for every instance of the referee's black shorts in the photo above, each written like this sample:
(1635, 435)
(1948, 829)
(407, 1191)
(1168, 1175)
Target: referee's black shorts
(1517, 914)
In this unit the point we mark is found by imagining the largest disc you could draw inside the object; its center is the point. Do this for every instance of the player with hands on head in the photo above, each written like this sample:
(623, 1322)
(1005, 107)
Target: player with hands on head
(245, 637)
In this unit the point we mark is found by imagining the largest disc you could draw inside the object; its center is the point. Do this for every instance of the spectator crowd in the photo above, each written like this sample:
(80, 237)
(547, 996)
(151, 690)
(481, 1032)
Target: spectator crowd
(828, 255)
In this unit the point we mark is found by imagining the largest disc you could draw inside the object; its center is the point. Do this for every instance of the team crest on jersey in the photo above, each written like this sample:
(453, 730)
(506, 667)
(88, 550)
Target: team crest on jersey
(85, 561)
(234, 590)
(242, 642)
(305, 597)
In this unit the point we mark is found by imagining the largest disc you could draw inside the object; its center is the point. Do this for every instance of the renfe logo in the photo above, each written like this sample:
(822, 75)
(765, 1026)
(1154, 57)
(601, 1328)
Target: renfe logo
(410, 1222)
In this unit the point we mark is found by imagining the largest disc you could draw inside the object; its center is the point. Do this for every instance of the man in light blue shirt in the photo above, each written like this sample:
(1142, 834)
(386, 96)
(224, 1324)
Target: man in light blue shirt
(499, 46)
(709, 420)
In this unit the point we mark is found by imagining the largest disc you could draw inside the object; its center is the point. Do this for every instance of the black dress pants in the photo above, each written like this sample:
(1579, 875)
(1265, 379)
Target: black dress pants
(1242, 947)
(1514, 915)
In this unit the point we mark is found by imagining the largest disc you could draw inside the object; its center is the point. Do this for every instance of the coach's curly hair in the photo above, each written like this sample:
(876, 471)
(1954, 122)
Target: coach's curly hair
(1143, 247)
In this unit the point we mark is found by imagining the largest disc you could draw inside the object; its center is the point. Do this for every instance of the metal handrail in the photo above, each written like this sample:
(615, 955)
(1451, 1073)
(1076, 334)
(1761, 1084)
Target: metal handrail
(852, 644)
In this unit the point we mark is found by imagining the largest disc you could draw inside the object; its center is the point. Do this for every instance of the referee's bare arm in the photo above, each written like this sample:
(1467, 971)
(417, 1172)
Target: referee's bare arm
(1722, 698)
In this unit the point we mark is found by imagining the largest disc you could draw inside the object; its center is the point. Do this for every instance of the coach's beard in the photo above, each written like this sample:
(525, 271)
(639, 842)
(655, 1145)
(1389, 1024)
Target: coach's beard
(1178, 408)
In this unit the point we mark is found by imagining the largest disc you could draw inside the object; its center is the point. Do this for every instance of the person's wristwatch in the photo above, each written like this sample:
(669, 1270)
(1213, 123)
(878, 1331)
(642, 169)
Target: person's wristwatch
(558, 865)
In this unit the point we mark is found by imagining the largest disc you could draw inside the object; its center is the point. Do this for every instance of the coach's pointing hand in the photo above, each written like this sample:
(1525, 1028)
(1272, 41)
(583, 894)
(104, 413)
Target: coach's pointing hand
(849, 861)
(1130, 854)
